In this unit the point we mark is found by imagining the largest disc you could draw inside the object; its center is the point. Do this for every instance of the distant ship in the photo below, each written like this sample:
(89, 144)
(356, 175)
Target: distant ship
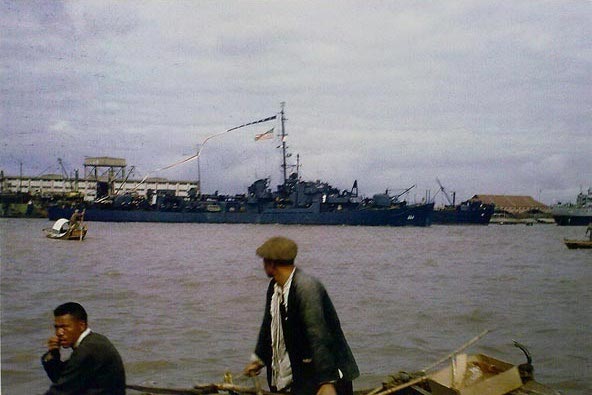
(472, 211)
(578, 214)
(466, 213)
(293, 202)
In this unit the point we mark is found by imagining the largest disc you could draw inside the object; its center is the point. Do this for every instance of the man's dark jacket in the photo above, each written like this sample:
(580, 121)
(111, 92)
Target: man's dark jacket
(313, 336)
(95, 367)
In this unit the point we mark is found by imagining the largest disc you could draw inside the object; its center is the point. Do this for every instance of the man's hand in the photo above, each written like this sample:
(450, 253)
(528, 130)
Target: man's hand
(253, 369)
(53, 346)
(327, 389)
(53, 343)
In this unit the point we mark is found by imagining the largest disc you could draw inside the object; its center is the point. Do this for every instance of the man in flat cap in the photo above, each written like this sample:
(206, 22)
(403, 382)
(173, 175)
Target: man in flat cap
(300, 341)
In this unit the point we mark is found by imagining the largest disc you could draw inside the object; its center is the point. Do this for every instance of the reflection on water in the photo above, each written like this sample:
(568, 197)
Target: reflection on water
(183, 302)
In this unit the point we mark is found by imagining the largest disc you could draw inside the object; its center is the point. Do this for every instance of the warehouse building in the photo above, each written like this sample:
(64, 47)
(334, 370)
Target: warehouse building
(102, 176)
(518, 206)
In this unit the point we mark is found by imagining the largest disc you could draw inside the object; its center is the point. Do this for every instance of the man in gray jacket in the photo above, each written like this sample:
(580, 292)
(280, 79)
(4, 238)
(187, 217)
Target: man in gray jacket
(94, 367)
(300, 341)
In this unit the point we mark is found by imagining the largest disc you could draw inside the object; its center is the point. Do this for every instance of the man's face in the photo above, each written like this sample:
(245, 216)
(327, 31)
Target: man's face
(68, 329)
(269, 267)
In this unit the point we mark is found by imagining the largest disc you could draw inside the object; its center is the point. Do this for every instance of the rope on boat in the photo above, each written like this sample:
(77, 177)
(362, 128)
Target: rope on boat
(383, 390)
(172, 391)
(400, 387)
(204, 389)
(453, 353)
(198, 154)
(201, 389)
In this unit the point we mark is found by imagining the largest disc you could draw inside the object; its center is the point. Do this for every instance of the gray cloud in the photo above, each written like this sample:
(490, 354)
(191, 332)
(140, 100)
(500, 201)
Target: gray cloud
(489, 98)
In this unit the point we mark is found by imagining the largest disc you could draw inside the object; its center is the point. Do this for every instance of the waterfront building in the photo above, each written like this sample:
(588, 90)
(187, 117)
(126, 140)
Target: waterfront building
(102, 176)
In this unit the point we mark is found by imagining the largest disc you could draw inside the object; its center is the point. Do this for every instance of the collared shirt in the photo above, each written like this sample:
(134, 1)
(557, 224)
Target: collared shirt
(281, 369)
(84, 334)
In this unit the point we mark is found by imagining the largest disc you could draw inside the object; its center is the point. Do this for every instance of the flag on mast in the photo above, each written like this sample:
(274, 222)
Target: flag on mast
(265, 136)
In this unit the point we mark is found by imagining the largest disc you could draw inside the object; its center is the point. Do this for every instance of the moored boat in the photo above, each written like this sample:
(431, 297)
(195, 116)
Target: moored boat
(474, 374)
(573, 244)
(578, 214)
(472, 211)
(294, 201)
(316, 208)
(467, 213)
(62, 230)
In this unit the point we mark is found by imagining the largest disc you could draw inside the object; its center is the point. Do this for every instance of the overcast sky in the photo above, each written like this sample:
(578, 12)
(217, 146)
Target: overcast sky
(490, 97)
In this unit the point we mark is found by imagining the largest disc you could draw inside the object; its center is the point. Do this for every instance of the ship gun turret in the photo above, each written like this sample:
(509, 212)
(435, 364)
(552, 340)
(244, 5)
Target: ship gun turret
(386, 200)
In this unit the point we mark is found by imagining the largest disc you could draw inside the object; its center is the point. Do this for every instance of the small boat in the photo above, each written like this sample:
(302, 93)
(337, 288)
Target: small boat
(61, 229)
(472, 211)
(573, 244)
(503, 219)
(466, 374)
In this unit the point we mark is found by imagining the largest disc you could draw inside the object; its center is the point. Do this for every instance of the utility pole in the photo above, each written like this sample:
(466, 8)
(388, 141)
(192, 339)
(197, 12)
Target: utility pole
(198, 170)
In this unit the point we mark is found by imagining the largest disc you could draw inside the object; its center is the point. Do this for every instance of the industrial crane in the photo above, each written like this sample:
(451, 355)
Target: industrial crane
(65, 174)
(451, 202)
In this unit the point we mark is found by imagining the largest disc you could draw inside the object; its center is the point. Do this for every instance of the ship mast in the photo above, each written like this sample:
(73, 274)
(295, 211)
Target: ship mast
(284, 165)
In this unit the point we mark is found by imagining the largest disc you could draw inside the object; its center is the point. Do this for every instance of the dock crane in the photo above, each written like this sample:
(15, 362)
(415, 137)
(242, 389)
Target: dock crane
(396, 197)
(67, 177)
(64, 172)
(451, 202)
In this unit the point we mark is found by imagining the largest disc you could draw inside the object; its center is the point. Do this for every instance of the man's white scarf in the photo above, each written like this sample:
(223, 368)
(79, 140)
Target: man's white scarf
(280, 362)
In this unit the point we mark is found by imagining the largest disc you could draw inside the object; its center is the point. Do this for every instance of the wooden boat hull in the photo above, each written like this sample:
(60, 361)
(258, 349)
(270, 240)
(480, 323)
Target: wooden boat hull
(475, 374)
(530, 388)
(77, 234)
(575, 244)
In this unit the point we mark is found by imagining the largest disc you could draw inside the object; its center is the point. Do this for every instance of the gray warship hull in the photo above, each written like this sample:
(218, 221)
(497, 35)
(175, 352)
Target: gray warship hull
(407, 215)
(578, 214)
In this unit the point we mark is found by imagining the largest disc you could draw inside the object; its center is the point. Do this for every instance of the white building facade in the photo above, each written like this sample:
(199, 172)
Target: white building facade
(52, 184)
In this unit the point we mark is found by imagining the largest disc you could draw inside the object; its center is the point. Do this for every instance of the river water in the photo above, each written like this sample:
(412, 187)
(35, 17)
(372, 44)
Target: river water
(183, 302)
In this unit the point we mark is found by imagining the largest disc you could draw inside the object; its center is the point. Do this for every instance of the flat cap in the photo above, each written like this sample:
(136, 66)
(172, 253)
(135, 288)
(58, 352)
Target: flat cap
(278, 249)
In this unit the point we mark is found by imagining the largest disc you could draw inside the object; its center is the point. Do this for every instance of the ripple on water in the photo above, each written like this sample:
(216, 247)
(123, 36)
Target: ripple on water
(186, 308)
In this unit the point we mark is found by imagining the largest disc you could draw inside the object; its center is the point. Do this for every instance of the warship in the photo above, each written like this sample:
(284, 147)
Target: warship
(578, 214)
(294, 201)
(472, 211)
(466, 213)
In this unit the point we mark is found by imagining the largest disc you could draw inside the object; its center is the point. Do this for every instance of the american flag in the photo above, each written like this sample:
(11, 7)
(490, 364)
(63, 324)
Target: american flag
(265, 136)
